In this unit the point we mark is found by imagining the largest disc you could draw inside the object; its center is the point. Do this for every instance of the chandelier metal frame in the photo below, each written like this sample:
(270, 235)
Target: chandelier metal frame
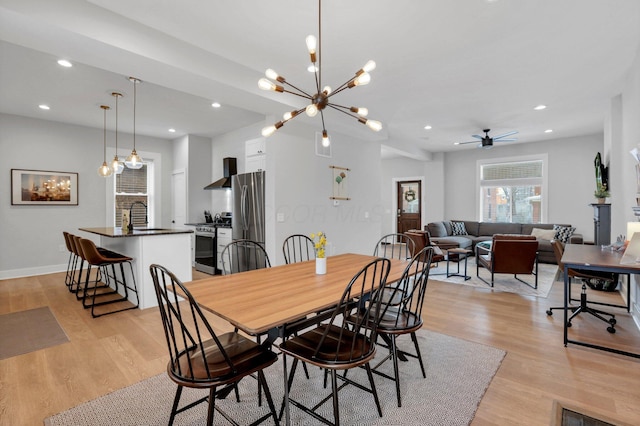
(322, 98)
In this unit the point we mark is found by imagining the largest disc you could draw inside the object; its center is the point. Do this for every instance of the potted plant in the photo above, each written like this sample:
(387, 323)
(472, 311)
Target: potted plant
(601, 193)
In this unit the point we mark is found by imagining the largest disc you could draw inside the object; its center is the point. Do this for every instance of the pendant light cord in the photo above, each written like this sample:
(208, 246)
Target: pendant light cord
(135, 83)
(104, 135)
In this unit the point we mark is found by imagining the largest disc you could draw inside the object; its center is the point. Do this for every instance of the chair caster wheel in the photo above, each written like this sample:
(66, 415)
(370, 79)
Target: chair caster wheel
(568, 324)
(549, 312)
(611, 330)
(613, 321)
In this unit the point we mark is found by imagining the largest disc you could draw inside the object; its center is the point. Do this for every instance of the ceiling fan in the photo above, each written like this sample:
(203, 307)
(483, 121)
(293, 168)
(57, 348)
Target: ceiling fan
(487, 142)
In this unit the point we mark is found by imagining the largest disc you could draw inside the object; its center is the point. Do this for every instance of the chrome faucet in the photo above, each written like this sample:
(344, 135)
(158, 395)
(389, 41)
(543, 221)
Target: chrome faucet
(146, 215)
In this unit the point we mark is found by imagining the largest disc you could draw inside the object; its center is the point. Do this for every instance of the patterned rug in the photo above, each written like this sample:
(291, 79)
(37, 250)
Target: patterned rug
(502, 282)
(458, 374)
(27, 331)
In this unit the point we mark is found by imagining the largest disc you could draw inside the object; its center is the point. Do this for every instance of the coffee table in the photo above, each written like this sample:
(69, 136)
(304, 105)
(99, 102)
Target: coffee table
(456, 255)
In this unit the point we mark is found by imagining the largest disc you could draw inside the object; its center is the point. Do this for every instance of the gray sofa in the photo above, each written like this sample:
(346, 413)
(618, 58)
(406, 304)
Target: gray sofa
(442, 233)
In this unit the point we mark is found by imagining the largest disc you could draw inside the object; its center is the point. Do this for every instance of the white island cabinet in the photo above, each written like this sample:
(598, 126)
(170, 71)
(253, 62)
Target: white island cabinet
(170, 248)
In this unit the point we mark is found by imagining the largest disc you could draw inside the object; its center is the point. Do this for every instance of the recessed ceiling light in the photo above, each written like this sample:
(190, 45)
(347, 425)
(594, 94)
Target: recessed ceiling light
(65, 63)
(43, 106)
(549, 131)
(172, 130)
(427, 127)
(540, 107)
(215, 105)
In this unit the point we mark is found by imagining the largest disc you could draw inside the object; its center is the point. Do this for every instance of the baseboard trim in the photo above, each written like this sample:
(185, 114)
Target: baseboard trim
(26, 272)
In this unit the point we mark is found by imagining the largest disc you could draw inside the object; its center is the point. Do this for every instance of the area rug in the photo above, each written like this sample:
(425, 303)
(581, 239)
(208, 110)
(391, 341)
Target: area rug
(502, 282)
(458, 374)
(28, 331)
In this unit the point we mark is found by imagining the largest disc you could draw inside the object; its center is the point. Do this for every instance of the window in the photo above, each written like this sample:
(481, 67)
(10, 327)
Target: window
(512, 191)
(131, 186)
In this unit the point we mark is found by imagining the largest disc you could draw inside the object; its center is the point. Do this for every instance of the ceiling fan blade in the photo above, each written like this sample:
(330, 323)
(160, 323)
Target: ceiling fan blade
(463, 143)
(477, 136)
(505, 140)
(505, 135)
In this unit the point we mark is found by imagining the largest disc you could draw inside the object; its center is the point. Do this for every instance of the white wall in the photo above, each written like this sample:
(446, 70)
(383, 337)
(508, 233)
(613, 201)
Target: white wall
(571, 179)
(31, 236)
(299, 184)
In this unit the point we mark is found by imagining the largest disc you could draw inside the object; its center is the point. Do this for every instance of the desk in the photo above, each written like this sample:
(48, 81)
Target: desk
(592, 258)
(264, 300)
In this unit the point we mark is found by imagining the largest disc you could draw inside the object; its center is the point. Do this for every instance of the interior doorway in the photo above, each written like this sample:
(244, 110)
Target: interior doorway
(409, 211)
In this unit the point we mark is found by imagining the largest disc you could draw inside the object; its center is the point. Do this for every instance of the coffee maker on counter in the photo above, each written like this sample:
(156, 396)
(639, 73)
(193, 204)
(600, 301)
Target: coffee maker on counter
(207, 217)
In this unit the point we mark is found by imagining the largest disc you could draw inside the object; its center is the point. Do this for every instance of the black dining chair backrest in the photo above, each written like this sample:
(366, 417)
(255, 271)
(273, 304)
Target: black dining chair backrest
(298, 248)
(242, 256)
(395, 246)
(198, 357)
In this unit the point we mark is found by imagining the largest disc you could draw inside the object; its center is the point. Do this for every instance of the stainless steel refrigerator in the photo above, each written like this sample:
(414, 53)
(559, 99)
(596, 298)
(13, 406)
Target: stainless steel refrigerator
(248, 210)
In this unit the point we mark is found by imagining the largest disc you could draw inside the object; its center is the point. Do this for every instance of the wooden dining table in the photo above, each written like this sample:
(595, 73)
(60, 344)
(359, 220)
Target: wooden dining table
(265, 300)
(273, 301)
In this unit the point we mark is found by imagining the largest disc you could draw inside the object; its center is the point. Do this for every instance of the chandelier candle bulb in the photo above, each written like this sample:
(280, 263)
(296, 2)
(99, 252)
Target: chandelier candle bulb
(320, 98)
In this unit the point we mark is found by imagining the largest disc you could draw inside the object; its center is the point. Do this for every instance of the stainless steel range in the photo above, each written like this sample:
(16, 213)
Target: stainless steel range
(206, 249)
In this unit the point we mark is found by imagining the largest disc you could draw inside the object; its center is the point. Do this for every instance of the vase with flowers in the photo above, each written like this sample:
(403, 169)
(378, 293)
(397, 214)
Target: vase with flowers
(320, 243)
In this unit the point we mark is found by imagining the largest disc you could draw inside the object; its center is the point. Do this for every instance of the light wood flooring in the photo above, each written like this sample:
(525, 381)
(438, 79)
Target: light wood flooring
(111, 352)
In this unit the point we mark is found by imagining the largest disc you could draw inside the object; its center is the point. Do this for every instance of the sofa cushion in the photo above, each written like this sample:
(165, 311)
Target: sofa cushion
(458, 228)
(563, 233)
(437, 229)
(490, 228)
(543, 234)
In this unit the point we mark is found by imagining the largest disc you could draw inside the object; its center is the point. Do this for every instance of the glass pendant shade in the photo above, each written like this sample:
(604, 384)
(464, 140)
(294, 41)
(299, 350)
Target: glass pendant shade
(133, 161)
(116, 165)
(104, 170)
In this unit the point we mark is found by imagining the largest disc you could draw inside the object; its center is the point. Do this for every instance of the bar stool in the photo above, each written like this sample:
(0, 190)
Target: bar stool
(105, 261)
(71, 263)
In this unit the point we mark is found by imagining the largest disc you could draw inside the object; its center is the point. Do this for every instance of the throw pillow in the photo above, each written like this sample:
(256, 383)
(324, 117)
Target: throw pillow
(563, 233)
(458, 228)
(543, 234)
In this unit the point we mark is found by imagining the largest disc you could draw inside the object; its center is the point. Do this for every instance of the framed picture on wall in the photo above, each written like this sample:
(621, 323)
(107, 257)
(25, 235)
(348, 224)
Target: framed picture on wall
(43, 188)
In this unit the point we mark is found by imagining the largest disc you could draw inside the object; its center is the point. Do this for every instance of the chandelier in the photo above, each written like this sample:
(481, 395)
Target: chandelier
(322, 97)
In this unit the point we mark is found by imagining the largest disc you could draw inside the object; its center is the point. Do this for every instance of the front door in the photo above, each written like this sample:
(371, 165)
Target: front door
(409, 210)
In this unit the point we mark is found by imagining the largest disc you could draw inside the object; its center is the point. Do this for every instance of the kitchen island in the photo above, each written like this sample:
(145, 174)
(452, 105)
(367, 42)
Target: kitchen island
(170, 248)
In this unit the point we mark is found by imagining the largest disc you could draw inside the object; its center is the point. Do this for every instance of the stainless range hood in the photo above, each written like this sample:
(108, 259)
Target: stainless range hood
(230, 168)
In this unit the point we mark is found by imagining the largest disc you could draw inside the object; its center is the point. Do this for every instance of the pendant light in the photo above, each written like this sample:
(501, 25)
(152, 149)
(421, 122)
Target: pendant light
(104, 170)
(116, 165)
(134, 161)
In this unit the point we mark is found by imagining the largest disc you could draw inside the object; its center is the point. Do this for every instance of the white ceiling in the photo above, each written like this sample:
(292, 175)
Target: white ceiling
(459, 66)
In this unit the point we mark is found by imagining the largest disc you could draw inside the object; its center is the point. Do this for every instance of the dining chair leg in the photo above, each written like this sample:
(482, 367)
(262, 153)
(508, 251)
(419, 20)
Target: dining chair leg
(334, 388)
(418, 353)
(267, 394)
(212, 406)
(394, 355)
(373, 389)
(288, 382)
(176, 401)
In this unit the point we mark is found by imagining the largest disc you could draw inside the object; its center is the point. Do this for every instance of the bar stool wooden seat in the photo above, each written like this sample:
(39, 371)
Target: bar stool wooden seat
(107, 281)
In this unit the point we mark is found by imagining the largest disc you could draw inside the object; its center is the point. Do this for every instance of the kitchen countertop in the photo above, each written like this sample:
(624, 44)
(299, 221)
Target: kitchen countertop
(137, 232)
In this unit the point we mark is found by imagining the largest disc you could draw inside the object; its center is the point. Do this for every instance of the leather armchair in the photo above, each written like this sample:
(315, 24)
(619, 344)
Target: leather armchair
(421, 240)
(509, 254)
